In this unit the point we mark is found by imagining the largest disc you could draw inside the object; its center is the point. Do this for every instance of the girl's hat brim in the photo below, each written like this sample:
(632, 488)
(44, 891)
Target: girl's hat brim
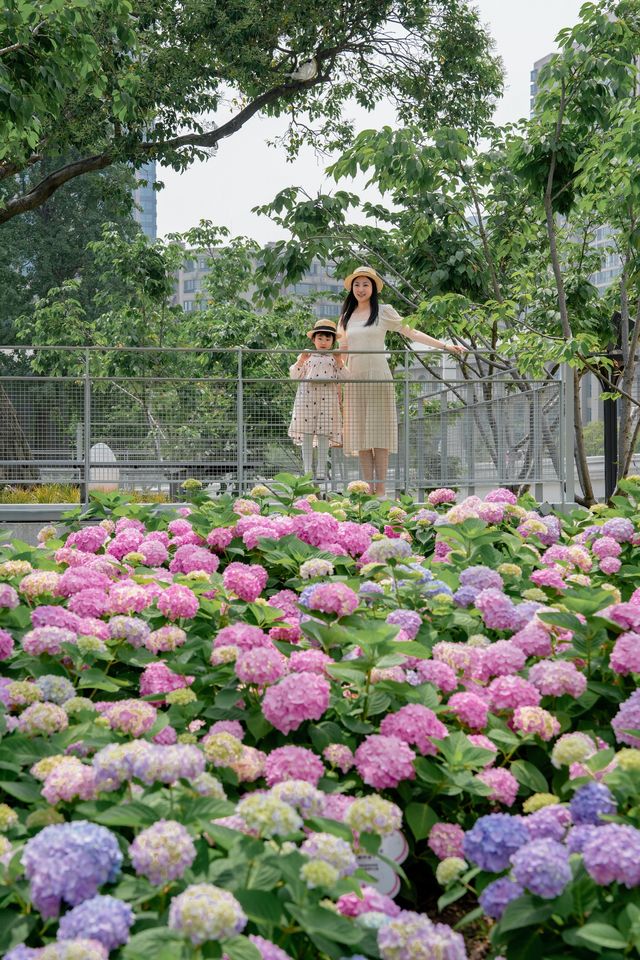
(323, 326)
(364, 272)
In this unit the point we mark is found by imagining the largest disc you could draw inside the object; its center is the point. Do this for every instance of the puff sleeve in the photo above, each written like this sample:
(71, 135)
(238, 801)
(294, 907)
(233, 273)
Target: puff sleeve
(390, 318)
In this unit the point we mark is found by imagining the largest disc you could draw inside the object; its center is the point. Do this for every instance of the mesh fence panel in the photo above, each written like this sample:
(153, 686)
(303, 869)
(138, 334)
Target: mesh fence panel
(245, 419)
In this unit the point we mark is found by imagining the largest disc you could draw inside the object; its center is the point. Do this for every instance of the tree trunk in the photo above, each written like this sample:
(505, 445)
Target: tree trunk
(582, 463)
(13, 445)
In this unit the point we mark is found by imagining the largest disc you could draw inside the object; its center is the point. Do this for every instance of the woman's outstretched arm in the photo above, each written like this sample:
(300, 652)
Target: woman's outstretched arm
(421, 337)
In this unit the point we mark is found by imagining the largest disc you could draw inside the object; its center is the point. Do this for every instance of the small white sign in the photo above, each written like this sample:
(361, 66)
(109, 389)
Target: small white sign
(394, 847)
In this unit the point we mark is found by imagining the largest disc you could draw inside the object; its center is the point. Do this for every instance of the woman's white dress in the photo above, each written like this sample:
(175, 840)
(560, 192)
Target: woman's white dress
(316, 409)
(369, 409)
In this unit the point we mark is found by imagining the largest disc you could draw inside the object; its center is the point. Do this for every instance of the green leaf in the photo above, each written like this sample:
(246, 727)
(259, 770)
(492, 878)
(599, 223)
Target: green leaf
(134, 813)
(160, 943)
(326, 922)
(260, 906)
(420, 818)
(529, 776)
(524, 912)
(602, 934)
(27, 792)
(241, 948)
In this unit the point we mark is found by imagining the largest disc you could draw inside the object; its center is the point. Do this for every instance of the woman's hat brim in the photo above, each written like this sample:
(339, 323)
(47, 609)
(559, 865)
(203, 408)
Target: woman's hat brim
(364, 272)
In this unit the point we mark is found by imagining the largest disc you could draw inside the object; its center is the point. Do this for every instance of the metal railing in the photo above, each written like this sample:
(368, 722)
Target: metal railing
(151, 418)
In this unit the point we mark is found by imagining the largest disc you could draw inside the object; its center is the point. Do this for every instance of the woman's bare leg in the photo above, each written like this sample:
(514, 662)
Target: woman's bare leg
(366, 467)
(380, 465)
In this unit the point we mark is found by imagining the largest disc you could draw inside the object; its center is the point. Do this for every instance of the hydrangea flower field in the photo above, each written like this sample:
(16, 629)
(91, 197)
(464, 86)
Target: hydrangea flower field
(282, 727)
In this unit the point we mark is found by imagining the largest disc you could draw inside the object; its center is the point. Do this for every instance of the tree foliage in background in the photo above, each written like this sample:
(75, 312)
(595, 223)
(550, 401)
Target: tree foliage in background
(495, 244)
(111, 81)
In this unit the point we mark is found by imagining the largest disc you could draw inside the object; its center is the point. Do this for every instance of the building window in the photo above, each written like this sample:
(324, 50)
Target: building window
(189, 306)
(190, 286)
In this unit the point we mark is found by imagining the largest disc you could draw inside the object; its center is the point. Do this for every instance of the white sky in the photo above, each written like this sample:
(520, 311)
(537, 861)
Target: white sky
(245, 172)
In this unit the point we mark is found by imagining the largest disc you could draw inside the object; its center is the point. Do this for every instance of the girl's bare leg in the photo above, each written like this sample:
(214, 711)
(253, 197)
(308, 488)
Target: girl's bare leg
(307, 452)
(322, 468)
(366, 467)
(380, 465)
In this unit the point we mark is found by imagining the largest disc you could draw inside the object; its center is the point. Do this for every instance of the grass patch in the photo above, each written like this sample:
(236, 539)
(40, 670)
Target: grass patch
(66, 493)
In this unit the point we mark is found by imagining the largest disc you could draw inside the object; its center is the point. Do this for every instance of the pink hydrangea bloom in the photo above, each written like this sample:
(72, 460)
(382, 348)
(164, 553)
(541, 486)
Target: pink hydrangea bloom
(384, 761)
(165, 639)
(553, 678)
(158, 678)
(445, 840)
(220, 537)
(293, 763)
(178, 602)
(190, 558)
(287, 601)
(440, 496)
(166, 737)
(470, 709)
(536, 720)
(606, 547)
(135, 717)
(626, 615)
(9, 598)
(534, 640)
(244, 636)
(508, 693)
(610, 565)
(504, 786)
(339, 755)
(355, 537)
(260, 665)
(234, 727)
(128, 597)
(309, 661)
(46, 640)
(498, 611)
(296, 698)
(247, 581)
(90, 603)
(125, 542)
(479, 740)
(351, 905)
(491, 512)
(336, 598)
(81, 578)
(69, 779)
(441, 552)
(440, 674)
(6, 644)
(89, 539)
(501, 495)
(625, 656)
(415, 724)
(552, 577)
(316, 528)
(497, 660)
(456, 655)
(154, 552)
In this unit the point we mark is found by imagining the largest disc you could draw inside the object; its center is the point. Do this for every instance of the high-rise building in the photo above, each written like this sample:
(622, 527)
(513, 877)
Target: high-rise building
(145, 198)
(537, 67)
(190, 291)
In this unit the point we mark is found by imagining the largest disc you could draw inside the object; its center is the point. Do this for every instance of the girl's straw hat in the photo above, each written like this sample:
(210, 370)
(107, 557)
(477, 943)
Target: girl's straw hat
(364, 272)
(323, 326)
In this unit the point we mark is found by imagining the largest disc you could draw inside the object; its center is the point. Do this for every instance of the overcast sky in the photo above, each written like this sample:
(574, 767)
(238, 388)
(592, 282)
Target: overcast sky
(246, 172)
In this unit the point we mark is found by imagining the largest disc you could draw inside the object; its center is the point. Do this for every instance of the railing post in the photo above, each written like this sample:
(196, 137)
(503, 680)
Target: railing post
(406, 438)
(86, 454)
(568, 429)
(240, 423)
(444, 440)
(538, 460)
(468, 440)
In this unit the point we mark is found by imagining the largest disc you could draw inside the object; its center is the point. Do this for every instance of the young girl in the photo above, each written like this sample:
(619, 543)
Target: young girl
(317, 419)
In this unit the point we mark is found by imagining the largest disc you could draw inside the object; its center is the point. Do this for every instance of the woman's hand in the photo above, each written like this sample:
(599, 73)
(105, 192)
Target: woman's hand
(457, 349)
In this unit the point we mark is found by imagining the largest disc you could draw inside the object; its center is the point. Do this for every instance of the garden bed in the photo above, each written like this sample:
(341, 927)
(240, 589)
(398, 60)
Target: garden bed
(281, 727)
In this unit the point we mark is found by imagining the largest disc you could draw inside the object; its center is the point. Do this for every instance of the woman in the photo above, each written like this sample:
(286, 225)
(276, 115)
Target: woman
(370, 418)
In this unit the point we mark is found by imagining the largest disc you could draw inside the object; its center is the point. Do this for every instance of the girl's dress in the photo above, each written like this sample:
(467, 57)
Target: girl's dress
(316, 409)
(370, 417)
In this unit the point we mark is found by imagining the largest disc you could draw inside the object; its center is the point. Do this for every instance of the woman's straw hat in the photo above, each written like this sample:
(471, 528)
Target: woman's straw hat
(323, 326)
(364, 272)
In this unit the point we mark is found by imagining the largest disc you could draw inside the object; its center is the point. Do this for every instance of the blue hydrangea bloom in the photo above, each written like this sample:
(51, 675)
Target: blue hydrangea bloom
(493, 840)
(481, 578)
(105, 919)
(21, 953)
(590, 801)
(434, 587)
(69, 861)
(542, 867)
(465, 596)
(55, 689)
(496, 897)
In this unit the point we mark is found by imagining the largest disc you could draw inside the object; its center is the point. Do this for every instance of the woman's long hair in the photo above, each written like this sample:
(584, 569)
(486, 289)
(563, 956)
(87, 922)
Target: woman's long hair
(350, 304)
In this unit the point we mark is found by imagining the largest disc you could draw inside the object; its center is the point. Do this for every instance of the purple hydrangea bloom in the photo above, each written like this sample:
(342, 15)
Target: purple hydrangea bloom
(613, 854)
(525, 612)
(432, 588)
(269, 950)
(69, 861)
(465, 596)
(21, 953)
(590, 802)
(407, 620)
(481, 578)
(628, 718)
(493, 840)
(549, 822)
(104, 919)
(496, 897)
(542, 867)
(578, 836)
(619, 528)
(423, 575)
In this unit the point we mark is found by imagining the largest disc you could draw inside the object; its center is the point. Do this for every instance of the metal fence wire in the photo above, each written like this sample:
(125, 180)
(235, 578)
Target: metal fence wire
(149, 419)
